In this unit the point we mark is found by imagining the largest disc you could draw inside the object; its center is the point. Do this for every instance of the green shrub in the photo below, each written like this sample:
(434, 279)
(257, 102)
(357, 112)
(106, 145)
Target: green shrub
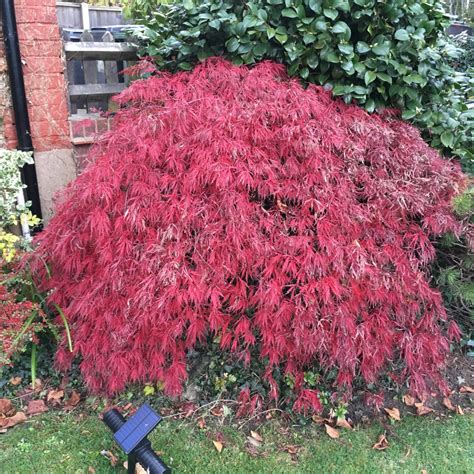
(11, 212)
(454, 268)
(377, 53)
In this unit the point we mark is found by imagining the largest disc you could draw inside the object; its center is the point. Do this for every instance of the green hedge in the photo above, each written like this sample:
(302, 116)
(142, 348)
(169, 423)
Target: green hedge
(377, 53)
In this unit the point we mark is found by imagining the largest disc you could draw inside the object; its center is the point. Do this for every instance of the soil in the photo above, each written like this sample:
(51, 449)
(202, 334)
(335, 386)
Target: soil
(459, 373)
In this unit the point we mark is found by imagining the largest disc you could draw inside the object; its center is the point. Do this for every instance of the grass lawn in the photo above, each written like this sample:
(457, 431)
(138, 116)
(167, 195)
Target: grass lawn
(62, 443)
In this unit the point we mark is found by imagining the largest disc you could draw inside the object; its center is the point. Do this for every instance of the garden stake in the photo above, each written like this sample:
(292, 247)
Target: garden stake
(131, 436)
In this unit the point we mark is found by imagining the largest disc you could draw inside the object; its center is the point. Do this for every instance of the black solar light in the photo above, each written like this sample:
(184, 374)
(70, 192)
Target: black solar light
(131, 437)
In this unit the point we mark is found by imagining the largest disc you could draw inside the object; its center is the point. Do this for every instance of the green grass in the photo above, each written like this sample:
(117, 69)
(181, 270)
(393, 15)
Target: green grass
(60, 443)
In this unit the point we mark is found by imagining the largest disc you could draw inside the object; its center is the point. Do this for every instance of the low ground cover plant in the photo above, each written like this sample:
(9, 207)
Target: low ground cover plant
(26, 322)
(230, 205)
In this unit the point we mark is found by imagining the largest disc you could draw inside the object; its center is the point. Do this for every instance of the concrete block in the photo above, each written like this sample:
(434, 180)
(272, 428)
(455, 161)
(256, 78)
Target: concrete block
(55, 169)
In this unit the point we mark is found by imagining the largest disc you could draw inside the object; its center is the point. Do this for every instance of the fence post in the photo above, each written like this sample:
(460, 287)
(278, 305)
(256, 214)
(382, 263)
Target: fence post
(86, 21)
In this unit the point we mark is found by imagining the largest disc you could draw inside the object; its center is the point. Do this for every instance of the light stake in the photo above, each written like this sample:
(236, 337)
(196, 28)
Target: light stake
(131, 436)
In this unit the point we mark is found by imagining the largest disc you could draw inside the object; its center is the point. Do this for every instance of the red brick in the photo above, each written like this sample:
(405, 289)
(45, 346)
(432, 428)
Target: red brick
(102, 125)
(42, 65)
(77, 129)
(51, 142)
(90, 129)
(50, 96)
(51, 127)
(38, 31)
(34, 3)
(35, 14)
(41, 112)
(44, 82)
(46, 48)
(11, 143)
(8, 118)
(10, 136)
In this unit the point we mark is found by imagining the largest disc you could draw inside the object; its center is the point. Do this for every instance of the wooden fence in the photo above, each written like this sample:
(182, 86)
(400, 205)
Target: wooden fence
(94, 71)
(84, 16)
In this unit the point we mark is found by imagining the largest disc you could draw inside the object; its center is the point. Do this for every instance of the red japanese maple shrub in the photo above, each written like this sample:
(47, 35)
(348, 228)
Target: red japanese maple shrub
(230, 201)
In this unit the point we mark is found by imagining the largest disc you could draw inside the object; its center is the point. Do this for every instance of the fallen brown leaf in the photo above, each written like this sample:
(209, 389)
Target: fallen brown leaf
(35, 407)
(256, 436)
(217, 411)
(466, 389)
(138, 468)
(91, 470)
(343, 423)
(16, 419)
(15, 381)
(292, 449)
(448, 404)
(408, 400)
(201, 423)
(110, 456)
(393, 413)
(253, 442)
(72, 401)
(381, 444)
(38, 385)
(422, 409)
(252, 450)
(54, 397)
(317, 419)
(219, 446)
(6, 407)
(459, 410)
(332, 432)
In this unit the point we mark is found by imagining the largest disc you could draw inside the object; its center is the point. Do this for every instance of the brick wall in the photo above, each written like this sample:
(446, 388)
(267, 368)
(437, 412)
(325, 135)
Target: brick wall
(4, 89)
(46, 93)
(43, 69)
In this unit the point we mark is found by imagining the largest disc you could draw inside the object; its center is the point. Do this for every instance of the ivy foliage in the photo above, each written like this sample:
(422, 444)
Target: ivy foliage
(378, 53)
(11, 212)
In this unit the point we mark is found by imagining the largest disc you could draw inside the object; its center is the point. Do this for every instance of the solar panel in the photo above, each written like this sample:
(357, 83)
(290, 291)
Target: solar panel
(137, 428)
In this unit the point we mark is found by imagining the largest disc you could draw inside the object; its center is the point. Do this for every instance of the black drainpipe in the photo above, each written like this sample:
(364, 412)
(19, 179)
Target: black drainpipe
(20, 106)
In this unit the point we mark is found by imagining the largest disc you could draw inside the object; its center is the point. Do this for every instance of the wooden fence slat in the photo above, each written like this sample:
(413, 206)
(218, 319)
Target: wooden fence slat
(90, 66)
(95, 91)
(111, 72)
(95, 50)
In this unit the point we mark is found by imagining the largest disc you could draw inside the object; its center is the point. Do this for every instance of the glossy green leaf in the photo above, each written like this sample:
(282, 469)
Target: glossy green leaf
(313, 61)
(232, 45)
(281, 38)
(289, 13)
(330, 13)
(216, 24)
(381, 49)
(447, 139)
(315, 5)
(384, 77)
(402, 35)
(408, 114)
(362, 47)
(347, 49)
(369, 77)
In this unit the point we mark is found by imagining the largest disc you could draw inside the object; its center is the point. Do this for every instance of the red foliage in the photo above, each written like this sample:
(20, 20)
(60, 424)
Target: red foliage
(14, 333)
(232, 201)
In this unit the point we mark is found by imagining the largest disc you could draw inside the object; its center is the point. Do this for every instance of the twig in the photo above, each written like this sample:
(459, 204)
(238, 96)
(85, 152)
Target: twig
(213, 403)
(259, 414)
